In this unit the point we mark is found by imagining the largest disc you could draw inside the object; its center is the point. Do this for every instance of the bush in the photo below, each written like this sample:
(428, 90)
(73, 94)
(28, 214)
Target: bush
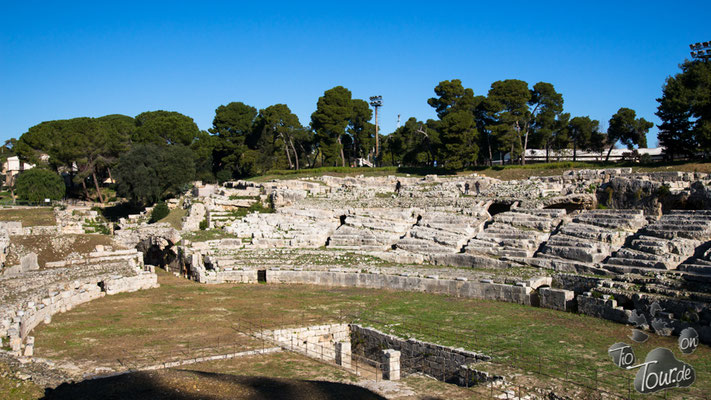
(36, 184)
(203, 224)
(160, 211)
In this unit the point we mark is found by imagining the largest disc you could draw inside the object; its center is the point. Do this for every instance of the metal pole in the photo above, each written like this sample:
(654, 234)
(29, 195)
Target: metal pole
(377, 137)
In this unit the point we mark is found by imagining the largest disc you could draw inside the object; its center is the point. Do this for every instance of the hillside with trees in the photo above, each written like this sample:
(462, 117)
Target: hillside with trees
(154, 155)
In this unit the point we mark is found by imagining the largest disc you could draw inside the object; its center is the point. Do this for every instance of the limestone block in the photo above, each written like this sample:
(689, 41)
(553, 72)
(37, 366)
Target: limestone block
(391, 365)
(557, 299)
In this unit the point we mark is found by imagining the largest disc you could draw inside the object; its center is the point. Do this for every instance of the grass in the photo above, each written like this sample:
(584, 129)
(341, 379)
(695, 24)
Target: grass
(175, 217)
(53, 248)
(31, 216)
(13, 388)
(181, 313)
(209, 234)
(256, 207)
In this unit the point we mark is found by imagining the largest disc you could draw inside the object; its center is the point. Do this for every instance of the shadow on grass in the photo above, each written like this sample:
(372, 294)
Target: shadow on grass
(193, 385)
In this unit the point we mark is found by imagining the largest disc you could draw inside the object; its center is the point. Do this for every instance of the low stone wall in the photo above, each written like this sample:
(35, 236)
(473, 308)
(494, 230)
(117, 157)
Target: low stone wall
(19, 323)
(602, 308)
(315, 341)
(455, 287)
(441, 362)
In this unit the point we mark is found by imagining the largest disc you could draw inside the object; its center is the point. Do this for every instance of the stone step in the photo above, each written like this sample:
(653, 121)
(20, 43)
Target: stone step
(423, 246)
(659, 246)
(580, 253)
(701, 269)
(592, 232)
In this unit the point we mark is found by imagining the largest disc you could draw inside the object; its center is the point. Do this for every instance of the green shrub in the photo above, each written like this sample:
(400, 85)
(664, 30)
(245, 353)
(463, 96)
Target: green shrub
(663, 191)
(160, 211)
(203, 225)
(37, 184)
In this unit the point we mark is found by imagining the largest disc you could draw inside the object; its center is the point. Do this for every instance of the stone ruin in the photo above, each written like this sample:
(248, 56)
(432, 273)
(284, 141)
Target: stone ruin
(605, 243)
(601, 242)
(32, 292)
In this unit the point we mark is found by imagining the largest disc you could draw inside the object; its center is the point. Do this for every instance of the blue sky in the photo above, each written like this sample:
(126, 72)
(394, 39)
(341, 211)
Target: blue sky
(70, 59)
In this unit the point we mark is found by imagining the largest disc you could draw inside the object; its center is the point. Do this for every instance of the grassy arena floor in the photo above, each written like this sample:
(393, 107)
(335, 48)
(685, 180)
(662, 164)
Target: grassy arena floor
(31, 216)
(182, 313)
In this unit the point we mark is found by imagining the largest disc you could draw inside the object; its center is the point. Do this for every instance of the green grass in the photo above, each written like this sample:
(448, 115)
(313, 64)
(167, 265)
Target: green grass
(12, 388)
(32, 216)
(569, 345)
(209, 234)
(175, 217)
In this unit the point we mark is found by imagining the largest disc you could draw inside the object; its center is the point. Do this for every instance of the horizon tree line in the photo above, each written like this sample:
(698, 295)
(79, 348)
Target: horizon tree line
(152, 155)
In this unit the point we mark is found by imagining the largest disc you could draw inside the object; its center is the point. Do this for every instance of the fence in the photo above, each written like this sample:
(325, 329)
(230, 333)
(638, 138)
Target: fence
(253, 338)
(326, 354)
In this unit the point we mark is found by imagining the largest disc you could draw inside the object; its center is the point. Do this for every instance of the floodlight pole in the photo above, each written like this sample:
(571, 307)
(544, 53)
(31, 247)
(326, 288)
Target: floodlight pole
(701, 51)
(376, 102)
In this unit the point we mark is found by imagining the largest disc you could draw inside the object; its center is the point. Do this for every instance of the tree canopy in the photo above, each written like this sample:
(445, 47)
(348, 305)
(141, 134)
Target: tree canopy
(154, 154)
(685, 110)
(38, 184)
(149, 172)
(626, 128)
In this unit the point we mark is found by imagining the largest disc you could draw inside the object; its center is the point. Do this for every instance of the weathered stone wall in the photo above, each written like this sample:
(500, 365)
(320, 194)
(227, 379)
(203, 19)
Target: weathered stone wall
(18, 323)
(35, 295)
(520, 294)
(602, 308)
(557, 299)
(315, 341)
(442, 362)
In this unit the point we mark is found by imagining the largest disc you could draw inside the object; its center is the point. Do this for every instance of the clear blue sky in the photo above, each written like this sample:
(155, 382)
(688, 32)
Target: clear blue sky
(70, 59)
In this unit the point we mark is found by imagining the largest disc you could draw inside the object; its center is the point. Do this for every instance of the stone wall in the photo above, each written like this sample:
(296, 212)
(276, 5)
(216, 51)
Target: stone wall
(34, 296)
(557, 299)
(460, 287)
(602, 308)
(314, 341)
(24, 320)
(441, 362)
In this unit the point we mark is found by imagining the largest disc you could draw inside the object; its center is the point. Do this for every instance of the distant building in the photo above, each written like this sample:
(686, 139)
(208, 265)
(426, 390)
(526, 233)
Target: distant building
(13, 166)
(539, 155)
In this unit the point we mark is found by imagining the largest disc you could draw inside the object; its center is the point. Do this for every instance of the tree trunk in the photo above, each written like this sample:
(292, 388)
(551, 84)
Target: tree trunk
(525, 145)
(286, 148)
(488, 145)
(511, 160)
(548, 148)
(86, 192)
(12, 189)
(111, 177)
(296, 155)
(575, 150)
(309, 162)
(608, 153)
(96, 184)
(340, 147)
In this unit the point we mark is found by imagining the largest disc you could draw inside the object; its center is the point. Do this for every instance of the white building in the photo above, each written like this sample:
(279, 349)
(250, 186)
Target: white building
(656, 154)
(13, 166)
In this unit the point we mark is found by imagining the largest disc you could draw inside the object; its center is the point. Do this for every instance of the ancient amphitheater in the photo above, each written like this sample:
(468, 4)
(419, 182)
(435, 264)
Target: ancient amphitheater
(591, 246)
